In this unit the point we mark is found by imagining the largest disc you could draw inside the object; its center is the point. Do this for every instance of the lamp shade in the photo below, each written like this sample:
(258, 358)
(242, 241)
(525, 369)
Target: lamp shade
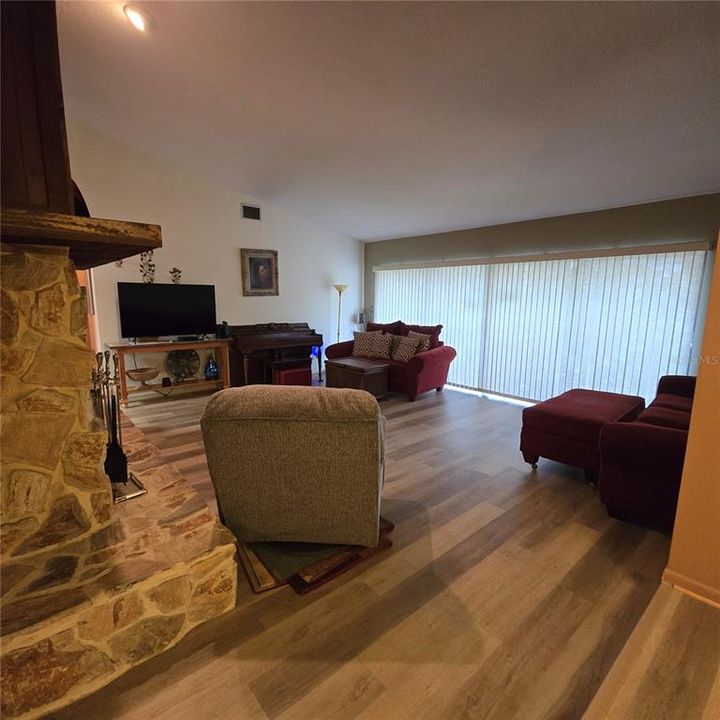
(341, 288)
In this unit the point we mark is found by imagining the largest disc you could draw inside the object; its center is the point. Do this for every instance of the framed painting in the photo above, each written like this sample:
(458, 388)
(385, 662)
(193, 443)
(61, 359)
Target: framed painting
(259, 272)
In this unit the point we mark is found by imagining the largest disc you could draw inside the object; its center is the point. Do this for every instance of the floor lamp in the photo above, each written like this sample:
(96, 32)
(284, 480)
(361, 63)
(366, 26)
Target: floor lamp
(340, 290)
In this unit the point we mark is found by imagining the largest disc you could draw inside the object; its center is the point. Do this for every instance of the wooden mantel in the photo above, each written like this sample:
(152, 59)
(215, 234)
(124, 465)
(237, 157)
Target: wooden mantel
(92, 241)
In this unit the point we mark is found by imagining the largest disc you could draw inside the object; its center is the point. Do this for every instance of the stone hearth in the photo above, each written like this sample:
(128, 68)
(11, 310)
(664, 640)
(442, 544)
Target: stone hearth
(89, 589)
(77, 617)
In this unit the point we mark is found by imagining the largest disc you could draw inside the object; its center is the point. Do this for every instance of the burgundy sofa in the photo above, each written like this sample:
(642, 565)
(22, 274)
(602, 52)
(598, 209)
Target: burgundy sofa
(426, 371)
(641, 462)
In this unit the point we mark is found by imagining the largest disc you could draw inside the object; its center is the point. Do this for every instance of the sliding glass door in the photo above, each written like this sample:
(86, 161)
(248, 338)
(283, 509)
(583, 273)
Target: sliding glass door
(533, 329)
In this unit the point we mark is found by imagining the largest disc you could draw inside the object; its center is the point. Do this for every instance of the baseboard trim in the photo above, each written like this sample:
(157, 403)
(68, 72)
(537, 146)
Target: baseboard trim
(693, 588)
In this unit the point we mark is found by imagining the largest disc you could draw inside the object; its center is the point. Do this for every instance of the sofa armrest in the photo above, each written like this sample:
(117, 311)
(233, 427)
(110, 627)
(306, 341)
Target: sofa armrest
(640, 446)
(682, 385)
(339, 350)
(439, 356)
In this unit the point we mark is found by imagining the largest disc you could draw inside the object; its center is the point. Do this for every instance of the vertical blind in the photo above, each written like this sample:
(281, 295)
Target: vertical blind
(533, 329)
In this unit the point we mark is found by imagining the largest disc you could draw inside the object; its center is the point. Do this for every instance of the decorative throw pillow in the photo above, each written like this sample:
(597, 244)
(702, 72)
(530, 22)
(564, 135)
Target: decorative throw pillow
(404, 348)
(362, 343)
(432, 330)
(424, 340)
(397, 328)
(395, 339)
(380, 346)
(394, 328)
(372, 345)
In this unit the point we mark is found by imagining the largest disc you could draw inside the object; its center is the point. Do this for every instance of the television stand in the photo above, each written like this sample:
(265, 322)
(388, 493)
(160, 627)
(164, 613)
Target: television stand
(219, 345)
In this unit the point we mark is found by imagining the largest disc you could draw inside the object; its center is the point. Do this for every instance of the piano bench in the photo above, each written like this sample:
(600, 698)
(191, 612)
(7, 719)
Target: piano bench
(292, 376)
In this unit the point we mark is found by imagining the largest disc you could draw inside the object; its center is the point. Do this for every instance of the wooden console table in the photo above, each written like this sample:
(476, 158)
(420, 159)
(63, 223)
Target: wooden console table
(221, 357)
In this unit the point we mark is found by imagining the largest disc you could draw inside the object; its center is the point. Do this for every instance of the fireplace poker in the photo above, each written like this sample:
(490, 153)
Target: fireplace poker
(116, 383)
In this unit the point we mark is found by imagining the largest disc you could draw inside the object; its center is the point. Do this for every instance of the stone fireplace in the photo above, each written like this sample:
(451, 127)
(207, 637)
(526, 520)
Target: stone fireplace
(53, 487)
(89, 589)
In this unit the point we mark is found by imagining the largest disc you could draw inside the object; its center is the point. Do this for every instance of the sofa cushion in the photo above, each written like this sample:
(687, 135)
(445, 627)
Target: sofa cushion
(372, 345)
(673, 402)
(288, 402)
(580, 414)
(404, 348)
(682, 385)
(665, 417)
(424, 340)
(374, 327)
(395, 328)
(432, 330)
(400, 328)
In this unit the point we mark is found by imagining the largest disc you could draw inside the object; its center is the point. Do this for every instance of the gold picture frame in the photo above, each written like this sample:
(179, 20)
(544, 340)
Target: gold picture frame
(259, 272)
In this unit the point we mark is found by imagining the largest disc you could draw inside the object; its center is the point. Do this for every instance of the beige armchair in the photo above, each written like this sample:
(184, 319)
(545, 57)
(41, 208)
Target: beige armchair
(296, 464)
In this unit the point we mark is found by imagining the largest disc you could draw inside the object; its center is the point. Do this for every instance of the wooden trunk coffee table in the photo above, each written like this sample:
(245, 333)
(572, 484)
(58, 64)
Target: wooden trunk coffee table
(358, 373)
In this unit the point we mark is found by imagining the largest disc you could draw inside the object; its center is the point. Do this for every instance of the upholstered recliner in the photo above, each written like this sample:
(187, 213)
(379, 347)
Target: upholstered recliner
(296, 464)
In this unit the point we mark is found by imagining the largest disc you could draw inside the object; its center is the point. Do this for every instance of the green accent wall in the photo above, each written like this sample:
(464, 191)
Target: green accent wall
(687, 219)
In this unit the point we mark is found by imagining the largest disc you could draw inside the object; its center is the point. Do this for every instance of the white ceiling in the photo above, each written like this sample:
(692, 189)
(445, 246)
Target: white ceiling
(392, 119)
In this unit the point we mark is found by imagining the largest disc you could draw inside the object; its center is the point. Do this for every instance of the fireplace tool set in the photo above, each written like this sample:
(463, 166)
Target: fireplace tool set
(106, 405)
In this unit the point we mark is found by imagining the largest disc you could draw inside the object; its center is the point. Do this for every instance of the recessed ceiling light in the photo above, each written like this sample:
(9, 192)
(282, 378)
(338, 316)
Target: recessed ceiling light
(138, 17)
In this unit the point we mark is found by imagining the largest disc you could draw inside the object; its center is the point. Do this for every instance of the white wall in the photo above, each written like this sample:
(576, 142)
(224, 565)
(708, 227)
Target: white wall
(203, 231)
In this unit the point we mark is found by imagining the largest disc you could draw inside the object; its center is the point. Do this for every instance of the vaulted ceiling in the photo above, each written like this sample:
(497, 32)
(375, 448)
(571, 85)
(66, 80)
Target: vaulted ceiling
(385, 119)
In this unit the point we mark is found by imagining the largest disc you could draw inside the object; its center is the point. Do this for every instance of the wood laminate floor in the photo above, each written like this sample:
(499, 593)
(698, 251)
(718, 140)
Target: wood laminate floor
(669, 668)
(507, 595)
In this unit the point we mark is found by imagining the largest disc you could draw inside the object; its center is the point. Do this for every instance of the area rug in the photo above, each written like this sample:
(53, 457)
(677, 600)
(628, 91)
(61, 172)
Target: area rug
(304, 566)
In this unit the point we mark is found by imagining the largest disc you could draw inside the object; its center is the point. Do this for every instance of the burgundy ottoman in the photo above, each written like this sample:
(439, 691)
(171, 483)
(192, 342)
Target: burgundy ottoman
(567, 428)
(293, 376)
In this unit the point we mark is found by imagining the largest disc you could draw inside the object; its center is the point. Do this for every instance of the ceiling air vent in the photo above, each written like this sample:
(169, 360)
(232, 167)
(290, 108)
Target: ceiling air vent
(251, 212)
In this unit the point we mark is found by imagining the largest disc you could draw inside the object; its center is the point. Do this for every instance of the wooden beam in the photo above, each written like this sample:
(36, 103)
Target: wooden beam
(35, 165)
(92, 241)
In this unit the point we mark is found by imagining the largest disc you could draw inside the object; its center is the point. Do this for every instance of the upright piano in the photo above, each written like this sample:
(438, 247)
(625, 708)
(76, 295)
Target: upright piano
(256, 351)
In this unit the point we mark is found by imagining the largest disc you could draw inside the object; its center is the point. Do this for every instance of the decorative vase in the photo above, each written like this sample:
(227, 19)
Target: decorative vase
(212, 371)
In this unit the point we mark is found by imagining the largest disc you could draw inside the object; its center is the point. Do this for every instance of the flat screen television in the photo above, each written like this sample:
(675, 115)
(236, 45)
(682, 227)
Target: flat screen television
(152, 310)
